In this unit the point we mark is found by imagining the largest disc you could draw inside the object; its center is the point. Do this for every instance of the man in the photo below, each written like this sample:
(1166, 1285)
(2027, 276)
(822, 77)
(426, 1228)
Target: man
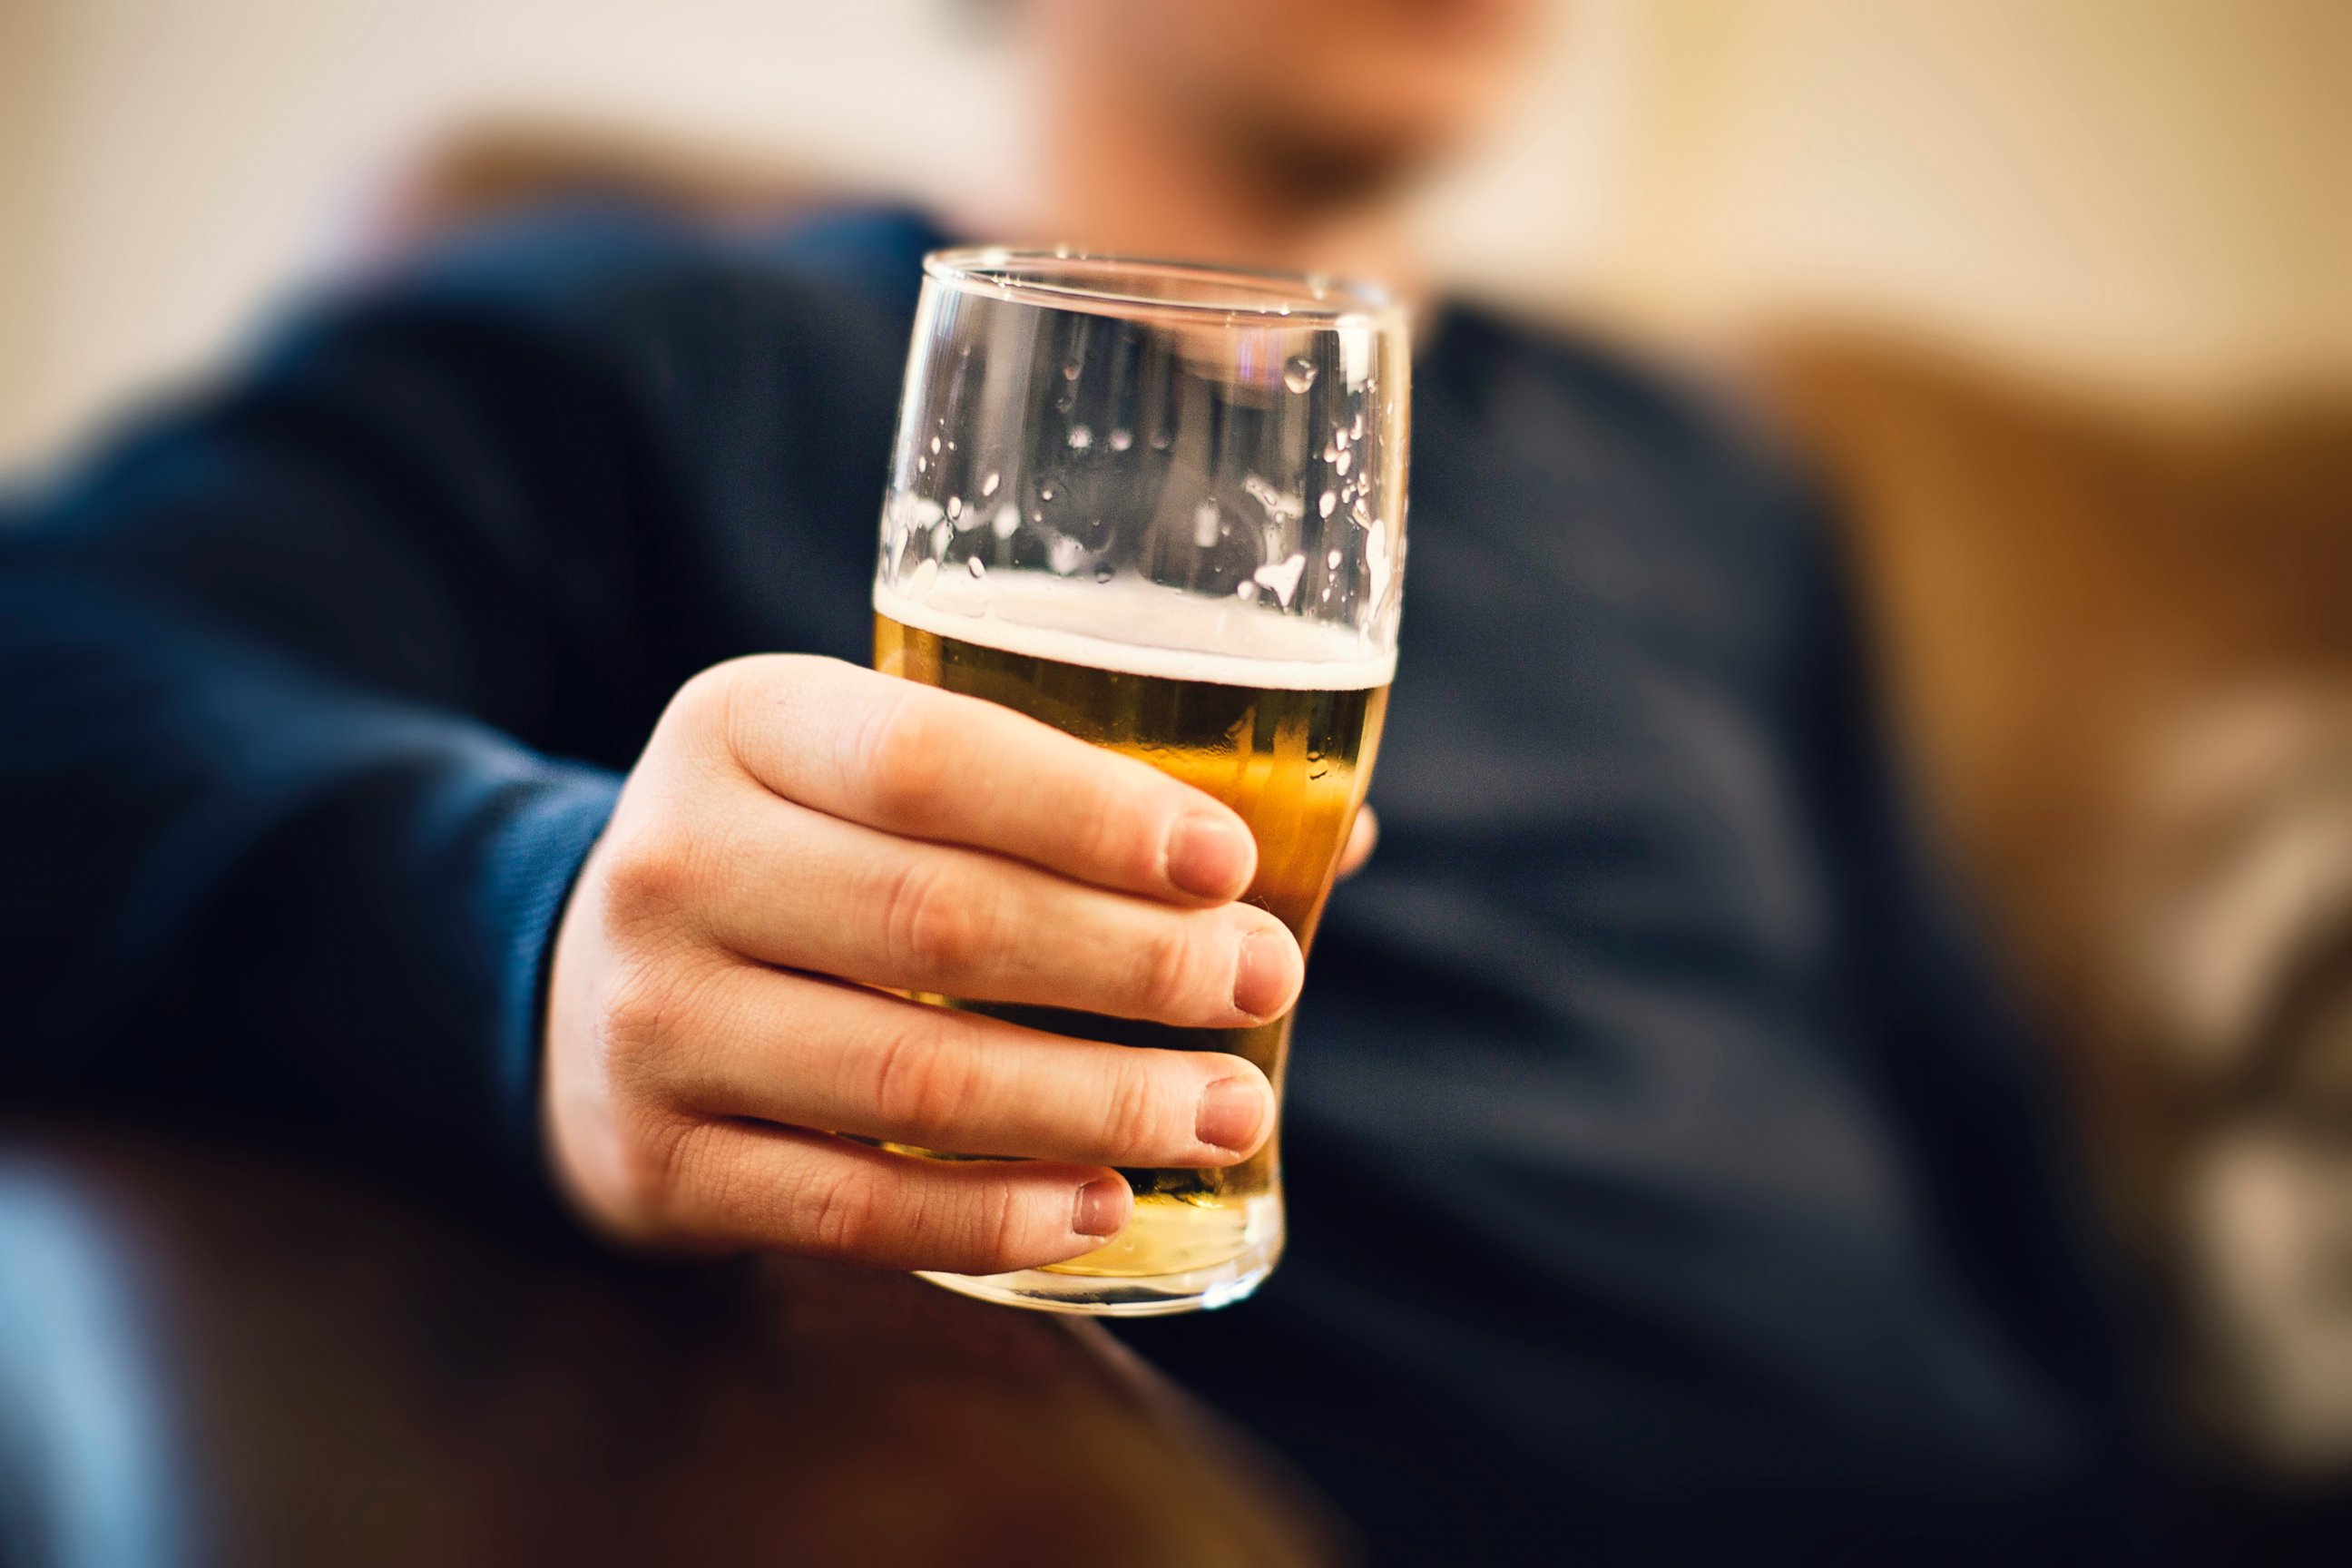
(1660, 1182)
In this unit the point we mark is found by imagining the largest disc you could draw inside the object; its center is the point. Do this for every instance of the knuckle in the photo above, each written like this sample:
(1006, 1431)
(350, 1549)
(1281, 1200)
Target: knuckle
(651, 869)
(1168, 969)
(656, 1163)
(903, 752)
(845, 1212)
(936, 922)
(709, 702)
(637, 1018)
(1132, 1115)
(1107, 824)
(1001, 1229)
(916, 1088)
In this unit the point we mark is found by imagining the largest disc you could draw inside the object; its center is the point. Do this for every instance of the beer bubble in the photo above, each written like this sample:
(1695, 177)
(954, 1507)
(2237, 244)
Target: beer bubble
(1299, 373)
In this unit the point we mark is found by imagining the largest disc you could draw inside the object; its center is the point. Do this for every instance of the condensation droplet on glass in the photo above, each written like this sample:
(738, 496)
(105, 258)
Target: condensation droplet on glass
(919, 581)
(1328, 504)
(1065, 555)
(935, 445)
(1044, 492)
(1332, 560)
(1080, 437)
(976, 566)
(1298, 372)
(1346, 460)
(1008, 521)
(922, 465)
(1070, 371)
(955, 506)
(1341, 438)
(1103, 574)
(988, 483)
(1282, 578)
(941, 533)
(1245, 592)
(1279, 508)
(1120, 440)
(1159, 441)
(1204, 524)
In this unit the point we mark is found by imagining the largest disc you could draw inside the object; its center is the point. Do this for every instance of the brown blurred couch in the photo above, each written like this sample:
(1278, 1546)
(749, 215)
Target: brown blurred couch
(2118, 637)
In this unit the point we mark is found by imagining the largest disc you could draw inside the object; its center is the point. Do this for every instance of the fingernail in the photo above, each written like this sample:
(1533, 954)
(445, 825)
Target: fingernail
(1102, 1207)
(1232, 1109)
(1210, 856)
(1266, 973)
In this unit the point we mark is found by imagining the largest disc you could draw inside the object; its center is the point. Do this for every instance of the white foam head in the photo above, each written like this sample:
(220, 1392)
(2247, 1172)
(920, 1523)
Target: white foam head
(1141, 628)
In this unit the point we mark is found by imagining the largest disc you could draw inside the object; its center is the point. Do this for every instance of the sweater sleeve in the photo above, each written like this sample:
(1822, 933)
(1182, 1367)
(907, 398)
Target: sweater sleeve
(294, 691)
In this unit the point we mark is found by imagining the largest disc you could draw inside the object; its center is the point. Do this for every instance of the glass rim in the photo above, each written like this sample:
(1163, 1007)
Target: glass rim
(1062, 278)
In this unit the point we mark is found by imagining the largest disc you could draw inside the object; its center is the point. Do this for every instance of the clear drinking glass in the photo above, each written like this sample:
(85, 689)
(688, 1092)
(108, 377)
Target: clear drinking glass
(1160, 507)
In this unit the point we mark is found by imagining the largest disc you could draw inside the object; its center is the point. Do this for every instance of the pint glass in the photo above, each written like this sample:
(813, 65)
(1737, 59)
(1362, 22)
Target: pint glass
(1160, 507)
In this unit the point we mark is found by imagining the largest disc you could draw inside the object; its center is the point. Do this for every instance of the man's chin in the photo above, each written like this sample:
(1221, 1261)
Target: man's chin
(1344, 168)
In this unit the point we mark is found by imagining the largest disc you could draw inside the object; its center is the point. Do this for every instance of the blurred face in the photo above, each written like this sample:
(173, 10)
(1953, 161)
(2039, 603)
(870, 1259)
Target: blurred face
(1337, 93)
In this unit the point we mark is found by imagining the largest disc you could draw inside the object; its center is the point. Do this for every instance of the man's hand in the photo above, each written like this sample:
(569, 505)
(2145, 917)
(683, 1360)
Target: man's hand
(800, 831)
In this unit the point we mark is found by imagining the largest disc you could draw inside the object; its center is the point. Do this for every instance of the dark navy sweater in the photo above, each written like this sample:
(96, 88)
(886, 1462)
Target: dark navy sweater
(1663, 1181)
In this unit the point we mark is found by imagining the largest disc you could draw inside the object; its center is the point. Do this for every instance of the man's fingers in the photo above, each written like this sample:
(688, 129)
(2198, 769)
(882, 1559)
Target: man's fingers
(777, 1189)
(916, 761)
(795, 888)
(751, 1042)
(1362, 838)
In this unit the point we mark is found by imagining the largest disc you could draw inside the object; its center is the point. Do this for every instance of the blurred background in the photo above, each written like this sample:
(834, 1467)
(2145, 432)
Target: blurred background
(2054, 294)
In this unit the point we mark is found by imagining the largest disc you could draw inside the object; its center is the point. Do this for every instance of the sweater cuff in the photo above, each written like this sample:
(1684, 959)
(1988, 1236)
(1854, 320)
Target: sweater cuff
(530, 861)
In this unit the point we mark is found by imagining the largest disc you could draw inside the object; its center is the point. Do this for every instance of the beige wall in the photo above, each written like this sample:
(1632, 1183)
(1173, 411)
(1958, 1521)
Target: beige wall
(2132, 188)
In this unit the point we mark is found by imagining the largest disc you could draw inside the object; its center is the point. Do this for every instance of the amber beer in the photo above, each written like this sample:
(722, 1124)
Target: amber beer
(1279, 722)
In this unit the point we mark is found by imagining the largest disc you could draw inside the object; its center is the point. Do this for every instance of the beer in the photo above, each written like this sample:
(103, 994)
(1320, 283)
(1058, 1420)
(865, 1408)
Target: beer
(1279, 722)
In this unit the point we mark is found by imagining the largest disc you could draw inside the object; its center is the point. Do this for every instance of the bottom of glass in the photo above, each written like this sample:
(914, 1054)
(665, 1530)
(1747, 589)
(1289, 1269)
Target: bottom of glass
(1108, 1283)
